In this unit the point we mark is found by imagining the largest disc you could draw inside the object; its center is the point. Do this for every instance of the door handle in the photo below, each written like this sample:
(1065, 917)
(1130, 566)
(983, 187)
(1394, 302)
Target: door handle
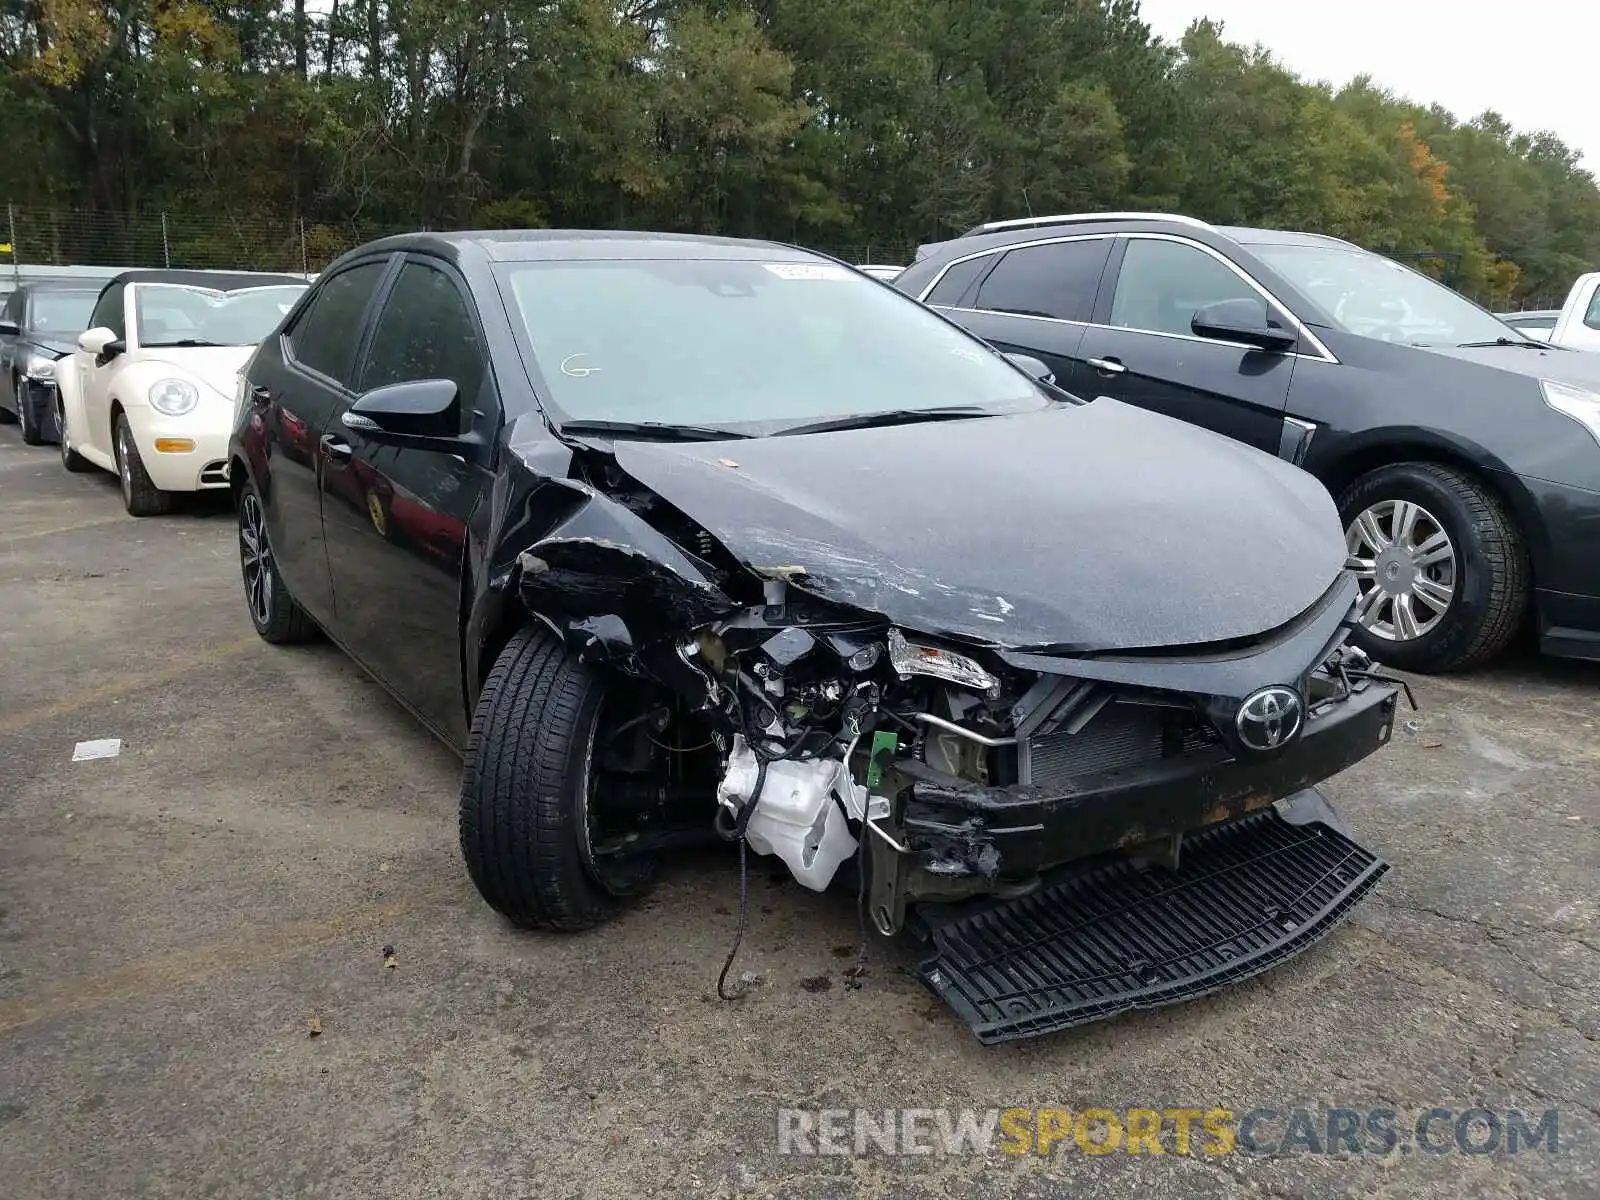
(1108, 366)
(335, 449)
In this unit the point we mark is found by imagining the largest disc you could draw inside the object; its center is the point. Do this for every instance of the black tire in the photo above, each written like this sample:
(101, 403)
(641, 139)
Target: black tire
(523, 792)
(273, 611)
(140, 497)
(32, 435)
(70, 458)
(1492, 580)
(7, 417)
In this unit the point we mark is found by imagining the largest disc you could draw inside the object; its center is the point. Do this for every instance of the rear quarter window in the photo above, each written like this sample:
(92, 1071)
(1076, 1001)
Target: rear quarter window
(953, 284)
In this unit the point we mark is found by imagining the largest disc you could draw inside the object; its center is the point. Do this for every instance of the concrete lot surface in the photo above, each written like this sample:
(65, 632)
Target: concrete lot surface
(174, 918)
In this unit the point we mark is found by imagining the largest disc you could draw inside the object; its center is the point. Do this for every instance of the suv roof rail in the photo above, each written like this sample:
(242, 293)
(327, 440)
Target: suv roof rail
(1072, 218)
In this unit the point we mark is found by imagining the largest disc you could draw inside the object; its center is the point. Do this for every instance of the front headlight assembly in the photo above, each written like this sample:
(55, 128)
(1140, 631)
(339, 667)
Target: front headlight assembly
(1579, 403)
(173, 397)
(41, 367)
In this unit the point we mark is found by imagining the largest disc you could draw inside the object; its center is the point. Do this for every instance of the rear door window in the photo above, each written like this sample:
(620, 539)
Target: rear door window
(1162, 284)
(325, 336)
(1058, 280)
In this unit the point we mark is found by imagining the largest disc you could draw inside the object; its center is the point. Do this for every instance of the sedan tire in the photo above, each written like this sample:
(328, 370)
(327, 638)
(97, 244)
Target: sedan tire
(526, 787)
(31, 433)
(273, 611)
(1443, 573)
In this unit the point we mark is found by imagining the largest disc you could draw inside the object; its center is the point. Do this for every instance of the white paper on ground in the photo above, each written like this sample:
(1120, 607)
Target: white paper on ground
(98, 748)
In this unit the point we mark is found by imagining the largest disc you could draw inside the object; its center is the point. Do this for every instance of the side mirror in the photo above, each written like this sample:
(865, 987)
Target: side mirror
(1034, 367)
(8, 329)
(423, 413)
(101, 342)
(1241, 321)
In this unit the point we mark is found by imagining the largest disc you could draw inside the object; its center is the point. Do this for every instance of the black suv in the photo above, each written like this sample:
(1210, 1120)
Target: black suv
(1465, 457)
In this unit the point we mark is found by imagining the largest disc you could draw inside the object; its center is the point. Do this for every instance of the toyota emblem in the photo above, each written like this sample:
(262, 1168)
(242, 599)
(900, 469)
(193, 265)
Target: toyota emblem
(1269, 718)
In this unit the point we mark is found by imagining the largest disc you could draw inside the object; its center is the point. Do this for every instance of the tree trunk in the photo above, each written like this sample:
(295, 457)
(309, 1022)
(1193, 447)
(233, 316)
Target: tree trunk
(301, 38)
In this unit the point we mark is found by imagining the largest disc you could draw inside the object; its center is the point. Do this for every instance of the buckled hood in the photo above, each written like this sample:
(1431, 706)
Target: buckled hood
(1088, 527)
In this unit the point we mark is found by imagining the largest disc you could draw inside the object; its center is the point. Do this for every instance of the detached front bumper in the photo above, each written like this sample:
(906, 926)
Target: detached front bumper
(954, 829)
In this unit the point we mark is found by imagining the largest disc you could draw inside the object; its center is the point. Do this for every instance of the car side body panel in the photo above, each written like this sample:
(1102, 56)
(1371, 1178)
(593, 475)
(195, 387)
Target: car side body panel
(1354, 403)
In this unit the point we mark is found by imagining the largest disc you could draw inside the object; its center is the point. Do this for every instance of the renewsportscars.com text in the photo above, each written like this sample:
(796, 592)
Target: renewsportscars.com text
(1178, 1131)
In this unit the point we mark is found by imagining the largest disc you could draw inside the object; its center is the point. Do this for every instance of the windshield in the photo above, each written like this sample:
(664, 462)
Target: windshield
(171, 314)
(730, 343)
(1376, 297)
(60, 312)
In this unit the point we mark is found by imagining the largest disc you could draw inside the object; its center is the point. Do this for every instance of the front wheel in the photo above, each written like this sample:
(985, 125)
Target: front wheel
(529, 822)
(31, 433)
(140, 496)
(1442, 571)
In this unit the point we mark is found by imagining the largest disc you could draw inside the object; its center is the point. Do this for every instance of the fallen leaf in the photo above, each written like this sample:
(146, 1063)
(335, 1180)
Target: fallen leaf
(727, 462)
(316, 1027)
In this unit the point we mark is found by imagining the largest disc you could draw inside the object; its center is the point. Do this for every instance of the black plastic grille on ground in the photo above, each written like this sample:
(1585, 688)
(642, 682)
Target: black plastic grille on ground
(1248, 895)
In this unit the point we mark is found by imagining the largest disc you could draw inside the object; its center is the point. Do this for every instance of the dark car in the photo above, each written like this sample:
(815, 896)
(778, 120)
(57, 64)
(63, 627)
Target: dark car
(1465, 457)
(679, 537)
(39, 326)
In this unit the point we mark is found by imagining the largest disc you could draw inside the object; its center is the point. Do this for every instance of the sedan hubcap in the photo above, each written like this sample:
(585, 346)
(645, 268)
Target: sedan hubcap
(1405, 565)
(256, 559)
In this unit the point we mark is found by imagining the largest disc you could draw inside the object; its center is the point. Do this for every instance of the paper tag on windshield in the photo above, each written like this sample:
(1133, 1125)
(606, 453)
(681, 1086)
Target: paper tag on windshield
(807, 270)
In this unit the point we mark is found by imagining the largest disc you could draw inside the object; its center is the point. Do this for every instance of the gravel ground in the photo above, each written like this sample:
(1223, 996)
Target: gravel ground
(173, 919)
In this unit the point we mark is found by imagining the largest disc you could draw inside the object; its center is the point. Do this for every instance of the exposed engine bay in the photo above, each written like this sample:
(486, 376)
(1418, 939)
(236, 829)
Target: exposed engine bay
(944, 769)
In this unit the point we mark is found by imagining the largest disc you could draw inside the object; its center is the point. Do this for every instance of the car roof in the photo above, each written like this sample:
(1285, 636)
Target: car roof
(91, 286)
(545, 245)
(1247, 236)
(222, 281)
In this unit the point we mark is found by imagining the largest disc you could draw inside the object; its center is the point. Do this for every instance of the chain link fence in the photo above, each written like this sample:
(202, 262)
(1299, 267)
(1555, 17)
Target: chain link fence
(43, 236)
(65, 237)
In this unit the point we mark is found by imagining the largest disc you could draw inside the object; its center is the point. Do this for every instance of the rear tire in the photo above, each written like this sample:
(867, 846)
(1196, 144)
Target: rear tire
(70, 458)
(273, 611)
(524, 811)
(1490, 578)
(140, 497)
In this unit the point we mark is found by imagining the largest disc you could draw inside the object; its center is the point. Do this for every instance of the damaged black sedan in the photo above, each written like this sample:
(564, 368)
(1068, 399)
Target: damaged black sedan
(677, 538)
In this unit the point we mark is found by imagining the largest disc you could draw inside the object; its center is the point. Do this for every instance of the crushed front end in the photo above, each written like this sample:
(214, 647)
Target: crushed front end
(1075, 835)
(1076, 831)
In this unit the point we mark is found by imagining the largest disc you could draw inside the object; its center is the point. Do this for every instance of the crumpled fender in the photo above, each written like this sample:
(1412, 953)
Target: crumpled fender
(588, 568)
(604, 561)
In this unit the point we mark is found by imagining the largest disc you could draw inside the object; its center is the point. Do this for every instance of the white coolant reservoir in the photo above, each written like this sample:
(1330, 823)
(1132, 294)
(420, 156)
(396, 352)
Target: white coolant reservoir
(795, 817)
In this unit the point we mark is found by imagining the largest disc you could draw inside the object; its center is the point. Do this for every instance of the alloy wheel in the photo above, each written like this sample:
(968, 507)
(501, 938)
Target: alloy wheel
(62, 440)
(124, 470)
(256, 558)
(1406, 567)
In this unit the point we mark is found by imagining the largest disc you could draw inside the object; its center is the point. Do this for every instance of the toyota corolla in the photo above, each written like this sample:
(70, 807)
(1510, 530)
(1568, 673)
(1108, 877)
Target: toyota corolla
(681, 538)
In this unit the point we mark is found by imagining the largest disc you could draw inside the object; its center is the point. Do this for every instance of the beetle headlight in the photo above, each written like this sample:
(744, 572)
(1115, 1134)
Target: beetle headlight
(1579, 403)
(173, 397)
(39, 366)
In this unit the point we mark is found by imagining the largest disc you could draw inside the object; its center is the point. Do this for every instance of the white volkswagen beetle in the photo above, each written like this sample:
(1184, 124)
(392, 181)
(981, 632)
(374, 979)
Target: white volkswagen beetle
(149, 393)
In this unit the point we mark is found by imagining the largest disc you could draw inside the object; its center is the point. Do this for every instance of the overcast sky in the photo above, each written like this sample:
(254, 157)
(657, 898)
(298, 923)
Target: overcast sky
(1531, 63)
